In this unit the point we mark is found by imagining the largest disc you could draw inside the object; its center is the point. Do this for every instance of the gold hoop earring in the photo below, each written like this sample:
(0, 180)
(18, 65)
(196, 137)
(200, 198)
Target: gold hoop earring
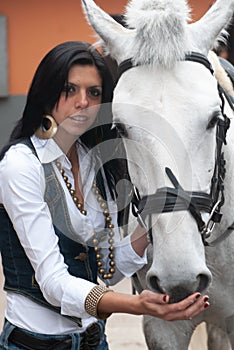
(48, 128)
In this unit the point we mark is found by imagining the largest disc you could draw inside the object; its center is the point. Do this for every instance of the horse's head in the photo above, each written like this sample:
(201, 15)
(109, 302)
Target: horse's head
(169, 106)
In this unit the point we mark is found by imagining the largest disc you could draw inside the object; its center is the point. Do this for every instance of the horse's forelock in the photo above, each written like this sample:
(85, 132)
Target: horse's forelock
(161, 36)
(179, 7)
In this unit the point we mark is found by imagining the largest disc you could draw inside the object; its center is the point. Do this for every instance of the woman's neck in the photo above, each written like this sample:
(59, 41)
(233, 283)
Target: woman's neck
(65, 141)
(72, 154)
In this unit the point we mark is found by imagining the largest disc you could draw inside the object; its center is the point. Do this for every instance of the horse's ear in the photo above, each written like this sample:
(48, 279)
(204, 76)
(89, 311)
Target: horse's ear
(206, 31)
(112, 34)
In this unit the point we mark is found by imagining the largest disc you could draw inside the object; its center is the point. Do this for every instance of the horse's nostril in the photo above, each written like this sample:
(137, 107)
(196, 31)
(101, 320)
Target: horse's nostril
(204, 281)
(154, 284)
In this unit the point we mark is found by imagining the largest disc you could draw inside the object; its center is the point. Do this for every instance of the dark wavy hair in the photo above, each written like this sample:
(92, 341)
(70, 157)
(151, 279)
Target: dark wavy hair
(44, 93)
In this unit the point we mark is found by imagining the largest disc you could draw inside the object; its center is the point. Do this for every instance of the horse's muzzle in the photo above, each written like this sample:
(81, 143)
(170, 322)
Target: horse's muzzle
(180, 290)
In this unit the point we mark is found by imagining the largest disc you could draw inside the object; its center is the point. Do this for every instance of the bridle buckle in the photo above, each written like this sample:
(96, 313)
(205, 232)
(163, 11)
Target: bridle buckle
(207, 230)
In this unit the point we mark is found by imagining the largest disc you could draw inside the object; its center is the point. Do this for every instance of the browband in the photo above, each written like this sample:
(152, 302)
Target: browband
(192, 56)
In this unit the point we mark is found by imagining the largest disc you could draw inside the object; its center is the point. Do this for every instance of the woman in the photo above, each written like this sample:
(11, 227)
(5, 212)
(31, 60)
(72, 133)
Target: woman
(59, 222)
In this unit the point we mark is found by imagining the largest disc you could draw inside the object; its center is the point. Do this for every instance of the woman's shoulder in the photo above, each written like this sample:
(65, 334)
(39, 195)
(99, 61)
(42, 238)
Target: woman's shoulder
(18, 157)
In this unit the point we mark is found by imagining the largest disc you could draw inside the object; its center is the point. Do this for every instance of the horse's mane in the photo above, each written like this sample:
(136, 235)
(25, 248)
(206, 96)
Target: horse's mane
(220, 74)
(161, 31)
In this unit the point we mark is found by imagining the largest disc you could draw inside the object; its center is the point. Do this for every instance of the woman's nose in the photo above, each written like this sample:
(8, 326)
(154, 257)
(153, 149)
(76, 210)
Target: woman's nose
(82, 100)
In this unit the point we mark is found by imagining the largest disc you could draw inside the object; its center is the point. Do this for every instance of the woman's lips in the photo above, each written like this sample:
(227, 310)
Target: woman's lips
(79, 118)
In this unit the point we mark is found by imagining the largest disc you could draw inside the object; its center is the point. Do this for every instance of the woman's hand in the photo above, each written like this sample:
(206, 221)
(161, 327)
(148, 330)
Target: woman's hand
(158, 305)
(153, 304)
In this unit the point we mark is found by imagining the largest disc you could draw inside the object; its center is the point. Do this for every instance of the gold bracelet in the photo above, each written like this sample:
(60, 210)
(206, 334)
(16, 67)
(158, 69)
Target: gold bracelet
(92, 300)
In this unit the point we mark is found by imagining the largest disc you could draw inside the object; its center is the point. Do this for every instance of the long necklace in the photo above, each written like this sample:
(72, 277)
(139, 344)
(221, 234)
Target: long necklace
(109, 225)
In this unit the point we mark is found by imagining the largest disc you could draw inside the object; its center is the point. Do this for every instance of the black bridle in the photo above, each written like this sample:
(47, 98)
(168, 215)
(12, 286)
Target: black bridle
(168, 199)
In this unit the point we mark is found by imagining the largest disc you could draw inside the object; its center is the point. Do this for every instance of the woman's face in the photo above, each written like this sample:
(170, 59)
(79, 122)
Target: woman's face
(80, 100)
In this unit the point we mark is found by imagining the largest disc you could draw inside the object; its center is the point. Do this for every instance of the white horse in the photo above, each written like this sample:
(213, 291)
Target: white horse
(168, 103)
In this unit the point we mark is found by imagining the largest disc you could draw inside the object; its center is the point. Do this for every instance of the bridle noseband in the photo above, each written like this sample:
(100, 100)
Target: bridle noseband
(168, 199)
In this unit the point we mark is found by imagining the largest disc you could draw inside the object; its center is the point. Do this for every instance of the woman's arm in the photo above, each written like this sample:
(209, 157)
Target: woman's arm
(130, 255)
(139, 240)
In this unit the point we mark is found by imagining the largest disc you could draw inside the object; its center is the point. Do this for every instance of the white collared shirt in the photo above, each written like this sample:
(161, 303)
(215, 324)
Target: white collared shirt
(22, 187)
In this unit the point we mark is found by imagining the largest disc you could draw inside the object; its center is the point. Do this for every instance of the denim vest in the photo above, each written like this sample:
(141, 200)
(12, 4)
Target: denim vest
(18, 272)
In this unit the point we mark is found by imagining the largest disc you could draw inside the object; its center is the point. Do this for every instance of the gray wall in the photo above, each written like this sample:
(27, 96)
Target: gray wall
(3, 57)
(11, 109)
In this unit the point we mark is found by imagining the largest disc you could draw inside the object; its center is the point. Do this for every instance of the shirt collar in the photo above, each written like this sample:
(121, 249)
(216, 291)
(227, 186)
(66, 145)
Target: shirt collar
(47, 150)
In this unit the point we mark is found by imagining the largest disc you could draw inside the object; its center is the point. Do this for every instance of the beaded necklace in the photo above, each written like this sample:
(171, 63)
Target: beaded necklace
(109, 225)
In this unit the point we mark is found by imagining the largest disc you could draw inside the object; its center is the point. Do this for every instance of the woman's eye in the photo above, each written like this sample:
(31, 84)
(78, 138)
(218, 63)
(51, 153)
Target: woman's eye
(69, 89)
(95, 92)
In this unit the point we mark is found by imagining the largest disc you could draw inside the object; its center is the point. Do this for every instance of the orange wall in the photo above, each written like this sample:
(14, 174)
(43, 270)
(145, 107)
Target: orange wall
(34, 27)
(199, 7)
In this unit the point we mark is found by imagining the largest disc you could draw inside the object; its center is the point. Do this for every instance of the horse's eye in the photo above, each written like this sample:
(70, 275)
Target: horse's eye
(213, 120)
